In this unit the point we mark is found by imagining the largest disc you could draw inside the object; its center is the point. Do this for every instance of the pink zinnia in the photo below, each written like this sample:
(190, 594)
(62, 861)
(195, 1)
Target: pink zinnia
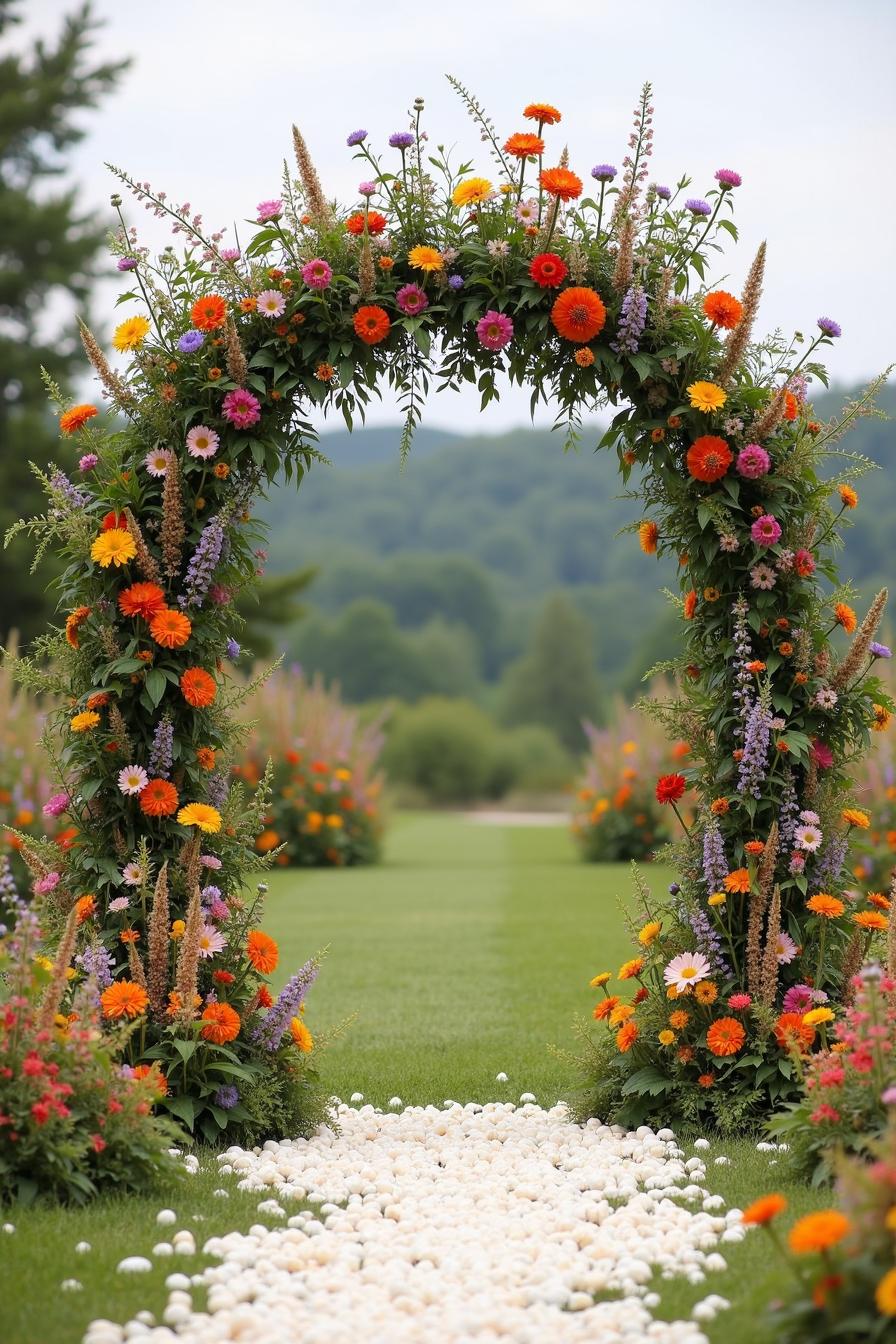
(271, 303)
(798, 999)
(44, 885)
(317, 274)
(269, 210)
(740, 1002)
(753, 461)
(55, 806)
(495, 330)
(411, 300)
(203, 442)
(766, 530)
(822, 755)
(241, 408)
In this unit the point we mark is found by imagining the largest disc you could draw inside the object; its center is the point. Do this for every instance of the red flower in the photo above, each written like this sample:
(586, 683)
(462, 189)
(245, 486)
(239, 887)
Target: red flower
(375, 223)
(708, 458)
(548, 270)
(669, 788)
(111, 520)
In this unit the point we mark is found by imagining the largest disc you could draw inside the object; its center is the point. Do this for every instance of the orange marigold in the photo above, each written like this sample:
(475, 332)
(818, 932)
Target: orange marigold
(854, 816)
(170, 628)
(709, 458)
(819, 1231)
(267, 841)
(754, 847)
(544, 113)
(198, 687)
(376, 223)
(719, 807)
(648, 534)
(561, 183)
(738, 880)
(85, 906)
(124, 998)
(209, 313)
(722, 309)
(632, 968)
(707, 1080)
(848, 496)
(578, 314)
(222, 1023)
(626, 1037)
(584, 357)
(158, 798)
(605, 1007)
(371, 323)
(846, 617)
(524, 145)
(763, 1210)
(690, 605)
(725, 1036)
(141, 599)
(76, 418)
(206, 757)
(679, 1019)
(73, 623)
(870, 920)
(791, 1030)
(828, 907)
(262, 951)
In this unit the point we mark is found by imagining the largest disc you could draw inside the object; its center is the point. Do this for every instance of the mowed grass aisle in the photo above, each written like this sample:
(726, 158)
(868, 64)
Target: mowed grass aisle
(466, 953)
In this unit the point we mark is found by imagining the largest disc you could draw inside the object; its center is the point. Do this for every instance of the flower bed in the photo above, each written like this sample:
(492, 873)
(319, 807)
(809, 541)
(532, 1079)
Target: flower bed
(325, 788)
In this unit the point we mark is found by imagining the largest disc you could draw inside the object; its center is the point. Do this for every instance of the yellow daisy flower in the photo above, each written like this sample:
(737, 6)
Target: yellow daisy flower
(649, 933)
(600, 980)
(130, 333)
(301, 1036)
(853, 816)
(717, 898)
(472, 191)
(707, 397)
(426, 258)
(115, 547)
(82, 723)
(816, 1016)
(204, 816)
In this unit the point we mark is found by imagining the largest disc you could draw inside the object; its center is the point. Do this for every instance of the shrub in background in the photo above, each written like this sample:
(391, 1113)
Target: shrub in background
(448, 749)
(326, 782)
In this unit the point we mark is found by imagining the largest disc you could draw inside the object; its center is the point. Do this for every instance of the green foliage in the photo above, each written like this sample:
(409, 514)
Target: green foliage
(554, 684)
(285, 1098)
(448, 749)
(269, 606)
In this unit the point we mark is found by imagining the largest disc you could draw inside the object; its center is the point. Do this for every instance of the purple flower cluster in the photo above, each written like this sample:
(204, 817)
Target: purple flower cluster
(754, 761)
(161, 756)
(190, 342)
(96, 962)
(72, 495)
(879, 650)
(664, 193)
(698, 207)
(401, 140)
(218, 788)
(271, 1031)
(743, 693)
(632, 318)
(829, 327)
(708, 941)
(715, 865)
(127, 263)
(203, 564)
(232, 649)
(830, 861)
(787, 811)
(604, 172)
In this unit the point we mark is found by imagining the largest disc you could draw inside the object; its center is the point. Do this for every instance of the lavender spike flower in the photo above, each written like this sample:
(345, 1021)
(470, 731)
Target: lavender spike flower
(757, 736)
(831, 860)
(277, 1019)
(161, 756)
(75, 498)
(788, 811)
(708, 941)
(218, 788)
(203, 563)
(632, 319)
(715, 865)
(96, 963)
(743, 693)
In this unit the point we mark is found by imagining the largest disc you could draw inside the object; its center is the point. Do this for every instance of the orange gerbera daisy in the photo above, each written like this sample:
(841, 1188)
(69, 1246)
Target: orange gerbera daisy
(848, 496)
(524, 145)
(629, 969)
(222, 1023)
(141, 599)
(648, 534)
(722, 309)
(544, 113)
(561, 183)
(791, 1030)
(578, 314)
(375, 223)
(725, 1036)
(73, 623)
(708, 458)
(158, 798)
(198, 687)
(76, 418)
(818, 1231)
(738, 881)
(846, 617)
(871, 920)
(828, 907)
(206, 757)
(209, 313)
(371, 323)
(879, 899)
(124, 998)
(626, 1037)
(262, 951)
(763, 1210)
(301, 1036)
(170, 628)
(605, 1007)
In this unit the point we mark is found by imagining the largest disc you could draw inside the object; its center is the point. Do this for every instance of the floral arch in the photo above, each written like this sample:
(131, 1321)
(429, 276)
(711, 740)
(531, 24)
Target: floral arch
(439, 275)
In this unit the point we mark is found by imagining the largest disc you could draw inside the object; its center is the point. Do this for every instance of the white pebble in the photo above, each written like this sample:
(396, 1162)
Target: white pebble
(395, 1102)
(162, 1248)
(221, 1194)
(9, 1228)
(71, 1286)
(82, 1247)
(134, 1264)
(177, 1281)
(527, 1096)
(356, 1097)
(500, 1077)
(164, 1217)
(723, 1161)
(701, 1143)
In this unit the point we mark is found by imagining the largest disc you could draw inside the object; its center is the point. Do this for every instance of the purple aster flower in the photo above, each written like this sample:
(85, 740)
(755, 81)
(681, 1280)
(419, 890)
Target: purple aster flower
(411, 300)
(227, 1096)
(879, 650)
(87, 462)
(604, 172)
(233, 649)
(455, 281)
(127, 263)
(728, 178)
(401, 140)
(356, 138)
(664, 193)
(210, 893)
(190, 342)
(829, 327)
(698, 207)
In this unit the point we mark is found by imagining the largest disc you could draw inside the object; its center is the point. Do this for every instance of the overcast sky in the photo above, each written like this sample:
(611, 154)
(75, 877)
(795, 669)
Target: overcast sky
(796, 95)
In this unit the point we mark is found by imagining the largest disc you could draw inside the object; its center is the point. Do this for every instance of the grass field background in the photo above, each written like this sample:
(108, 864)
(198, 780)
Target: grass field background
(465, 954)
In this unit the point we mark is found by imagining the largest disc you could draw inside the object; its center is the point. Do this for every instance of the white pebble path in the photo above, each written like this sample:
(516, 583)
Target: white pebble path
(469, 1223)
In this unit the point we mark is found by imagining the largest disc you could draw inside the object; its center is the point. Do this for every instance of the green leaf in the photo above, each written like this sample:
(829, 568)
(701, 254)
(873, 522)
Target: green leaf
(183, 1108)
(156, 685)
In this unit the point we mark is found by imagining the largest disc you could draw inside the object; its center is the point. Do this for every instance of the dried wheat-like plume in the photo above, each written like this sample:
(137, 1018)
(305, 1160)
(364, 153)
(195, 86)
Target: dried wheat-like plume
(172, 532)
(187, 973)
(622, 273)
(852, 964)
(119, 844)
(189, 861)
(766, 874)
(56, 988)
(119, 729)
(739, 339)
(891, 933)
(135, 966)
(109, 641)
(858, 651)
(578, 264)
(320, 212)
(115, 387)
(771, 417)
(758, 903)
(769, 981)
(366, 273)
(157, 945)
(235, 359)
(661, 302)
(146, 561)
(32, 860)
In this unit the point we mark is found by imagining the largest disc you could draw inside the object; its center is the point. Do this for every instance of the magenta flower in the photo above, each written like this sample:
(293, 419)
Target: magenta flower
(753, 462)
(241, 408)
(229, 254)
(728, 178)
(44, 885)
(87, 462)
(411, 300)
(798, 999)
(821, 754)
(268, 210)
(740, 1002)
(495, 330)
(55, 806)
(766, 530)
(888, 1097)
(317, 274)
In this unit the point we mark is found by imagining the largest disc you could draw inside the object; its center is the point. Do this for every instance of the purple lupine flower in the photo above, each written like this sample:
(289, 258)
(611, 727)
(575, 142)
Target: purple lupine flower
(87, 462)
(830, 861)
(96, 961)
(356, 138)
(754, 761)
(455, 281)
(226, 1096)
(728, 178)
(698, 207)
(715, 865)
(271, 1031)
(127, 263)
(632, 318)
(161, 756)
(401, 140)
(708, 940)
(787, 811)
(664, 193)
(604, 172)
(218, 788)
(190, 342)
(203, 563)
(744, 692)
(829, 327)
(70, 492)
(232, 649)
(879, 650)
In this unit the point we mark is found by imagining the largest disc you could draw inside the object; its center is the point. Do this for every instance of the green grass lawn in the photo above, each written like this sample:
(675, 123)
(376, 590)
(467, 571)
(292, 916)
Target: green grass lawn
(466, 953)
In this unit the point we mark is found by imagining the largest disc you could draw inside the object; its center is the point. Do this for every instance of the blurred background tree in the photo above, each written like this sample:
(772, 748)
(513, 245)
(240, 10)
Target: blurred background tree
(49, 249)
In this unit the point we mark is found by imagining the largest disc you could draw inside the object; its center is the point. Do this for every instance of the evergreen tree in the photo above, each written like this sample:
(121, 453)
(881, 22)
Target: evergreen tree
(49, 251)
(555, 683)
(270, 606)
